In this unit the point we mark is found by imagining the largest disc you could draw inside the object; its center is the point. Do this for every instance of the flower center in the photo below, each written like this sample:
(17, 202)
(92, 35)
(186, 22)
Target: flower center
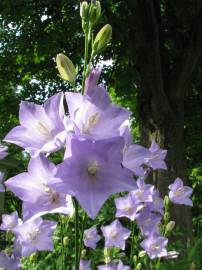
(154, 246)
(113, 234)
(54, 196)
(42, 128)
(93, 168)
(92, 121)
(33, 235)
(179, 191)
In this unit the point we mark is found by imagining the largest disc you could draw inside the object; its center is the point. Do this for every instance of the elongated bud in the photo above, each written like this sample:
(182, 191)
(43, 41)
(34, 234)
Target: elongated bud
(138, 267)
(83, 253)
(95, 12)
(65, 240)
(66, 68)
(166, 201)
(84, 10)
(170, 226)
(102, 39)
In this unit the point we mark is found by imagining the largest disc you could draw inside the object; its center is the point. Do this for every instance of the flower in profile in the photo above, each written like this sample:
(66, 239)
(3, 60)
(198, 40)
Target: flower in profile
(84, 265)
(155, 246)
(9, 263)
(127, 207)
(115, 234)
(93, 115)
(34, 188)
(3, 151)
(35, 235)
(148, 222)
(179, 193)
(91, 237)
(41, 128)
(2, 189)
(92, 81)
(94, 177)
(9, 222)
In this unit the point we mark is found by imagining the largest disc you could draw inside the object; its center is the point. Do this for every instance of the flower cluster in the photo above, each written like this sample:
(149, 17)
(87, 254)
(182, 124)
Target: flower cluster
(99, 160)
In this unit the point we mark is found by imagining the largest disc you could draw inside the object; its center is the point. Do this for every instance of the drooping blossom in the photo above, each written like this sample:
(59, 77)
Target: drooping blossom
(3, 151)
(9, 263)
(35, 235)
(2, 189)
(127, 207)
(91, 237)
(179, 193)
(148, 222)
(136, 156)
(94, 117)
(84, 265)
(93, 177)
(143, 192)
(9, 222)
(41, 128)
(155, 246)
(34, 188)
(115, 234)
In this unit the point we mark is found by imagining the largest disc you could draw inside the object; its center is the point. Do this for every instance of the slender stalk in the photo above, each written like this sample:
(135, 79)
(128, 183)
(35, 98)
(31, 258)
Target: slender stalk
(85, 60)
(63, 248)
(132, 243)
(76, 234)
(81, 236)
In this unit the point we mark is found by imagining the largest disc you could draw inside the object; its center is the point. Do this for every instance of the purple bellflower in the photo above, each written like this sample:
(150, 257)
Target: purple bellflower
(156, 159)
(143, 193)
(155, 246)
(84, 265)
(94, 117)
(9, 222)
(9, 263)
(148, 222)
(115, 234)
(120, 266)
(127, 207)
(41, 128)
(34, 188)
(92, 80)
(156, 205)
(35, 235)
(179, 193)
(108, 266)
(91, 237)
(93, 177)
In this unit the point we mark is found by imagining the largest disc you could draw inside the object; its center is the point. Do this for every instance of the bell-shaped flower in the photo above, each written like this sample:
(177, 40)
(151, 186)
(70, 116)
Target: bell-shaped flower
(9, 263)
(93, 172)
(35, 235)
(148, 222)
(156, 160)
(179, 193)
(126, 207)
(41, 128)
(108, 266)
(92, 81)
(91, 237)
(9, 222)
(115, 234)
(155, 246)
(156, 204)
(34, 188)
(93, 115)
(143, 193)
(84, 265)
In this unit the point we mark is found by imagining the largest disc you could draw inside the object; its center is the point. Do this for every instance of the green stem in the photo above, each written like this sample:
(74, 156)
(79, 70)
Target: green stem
(82, 233)
(63, 248)
(85, 61)
(132, 243)
(76, 234)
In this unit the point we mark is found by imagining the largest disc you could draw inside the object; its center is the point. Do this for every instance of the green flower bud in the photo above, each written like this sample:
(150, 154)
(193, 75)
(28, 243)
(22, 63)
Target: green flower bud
(142, 253)
(135, 259)
(33, 257)
(138, 267)
(65, 240)
(95, 12)
(166, 201)
(102, 39)
(66, 68)
(84, 10)
(106, 252)
(170, 226)
(83, 253)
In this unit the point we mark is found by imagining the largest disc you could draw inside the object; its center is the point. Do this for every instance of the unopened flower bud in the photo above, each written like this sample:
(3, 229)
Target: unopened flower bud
(66, 68)
(84, 10)
(142, 253)
(135, 259)
(170, 226)
(33, 257)
(95, 12)
(138, 267)
(106, 252)
(83, 253)
(102, 39)
(166, 216)
(65, 240)
(166, 201)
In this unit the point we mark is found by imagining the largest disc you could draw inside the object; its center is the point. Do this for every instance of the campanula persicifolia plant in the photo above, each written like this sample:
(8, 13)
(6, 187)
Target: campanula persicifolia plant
(99, 160)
